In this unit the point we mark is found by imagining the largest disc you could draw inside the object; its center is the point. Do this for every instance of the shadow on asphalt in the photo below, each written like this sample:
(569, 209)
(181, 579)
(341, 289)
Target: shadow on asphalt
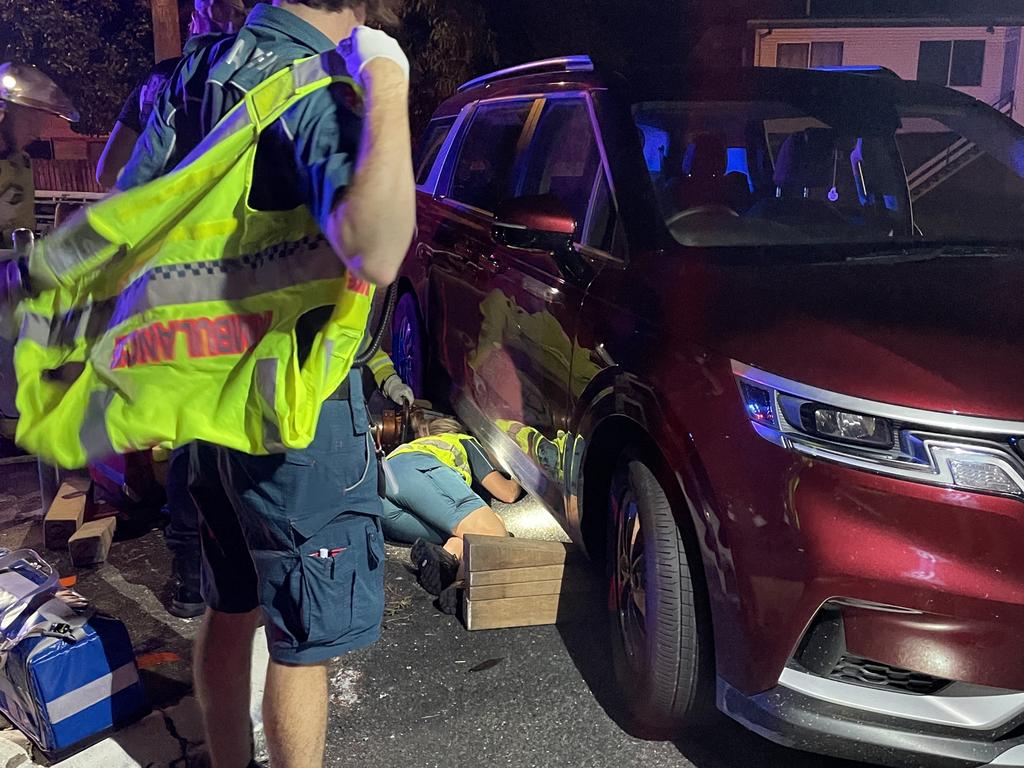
(721, 743)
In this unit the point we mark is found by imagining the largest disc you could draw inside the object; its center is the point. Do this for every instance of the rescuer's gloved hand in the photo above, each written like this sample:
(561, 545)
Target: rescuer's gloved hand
(367, 44)
(398, 391)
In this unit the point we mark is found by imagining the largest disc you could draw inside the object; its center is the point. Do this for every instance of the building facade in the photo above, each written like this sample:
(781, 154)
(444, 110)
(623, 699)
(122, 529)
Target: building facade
(979, 56)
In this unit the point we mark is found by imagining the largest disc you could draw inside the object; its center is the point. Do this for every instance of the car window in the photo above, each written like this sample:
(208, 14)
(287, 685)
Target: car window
(483, 175)
(599, 227)
(430, 145)
(563, 158)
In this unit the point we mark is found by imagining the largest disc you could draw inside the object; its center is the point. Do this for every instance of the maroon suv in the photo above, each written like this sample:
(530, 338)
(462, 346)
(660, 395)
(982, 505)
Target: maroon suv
(755, 339)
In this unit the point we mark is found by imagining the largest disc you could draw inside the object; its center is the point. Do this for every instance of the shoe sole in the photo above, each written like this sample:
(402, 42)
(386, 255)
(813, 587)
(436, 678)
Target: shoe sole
(186, 610)
(448, 600)
(428, 567)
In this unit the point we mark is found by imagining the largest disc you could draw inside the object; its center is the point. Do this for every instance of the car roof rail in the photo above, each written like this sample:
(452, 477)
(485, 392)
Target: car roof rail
(560, 64)
(861, 69)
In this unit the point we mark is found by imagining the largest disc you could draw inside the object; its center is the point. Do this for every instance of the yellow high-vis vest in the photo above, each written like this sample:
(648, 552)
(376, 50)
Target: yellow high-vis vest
(169, 311)
(448, 449)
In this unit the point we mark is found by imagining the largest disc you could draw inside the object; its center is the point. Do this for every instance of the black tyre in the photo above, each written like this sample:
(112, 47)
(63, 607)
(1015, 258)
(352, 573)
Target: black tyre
(661, 662)
(408, 350)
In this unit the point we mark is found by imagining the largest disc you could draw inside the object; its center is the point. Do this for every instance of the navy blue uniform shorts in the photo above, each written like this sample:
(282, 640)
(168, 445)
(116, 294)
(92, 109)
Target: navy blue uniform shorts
(298, 535)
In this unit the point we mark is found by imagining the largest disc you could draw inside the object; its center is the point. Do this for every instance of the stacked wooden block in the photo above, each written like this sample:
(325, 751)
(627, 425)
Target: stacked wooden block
(67, 525)
(524, 583)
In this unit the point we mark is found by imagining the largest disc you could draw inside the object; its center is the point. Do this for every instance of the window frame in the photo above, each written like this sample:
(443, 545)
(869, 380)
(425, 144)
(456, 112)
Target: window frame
(452, 121)
(457, 137)
(952, 48)
(455, 154)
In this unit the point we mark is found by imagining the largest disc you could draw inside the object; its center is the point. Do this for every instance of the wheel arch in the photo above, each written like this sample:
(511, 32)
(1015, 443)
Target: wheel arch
(624, 413)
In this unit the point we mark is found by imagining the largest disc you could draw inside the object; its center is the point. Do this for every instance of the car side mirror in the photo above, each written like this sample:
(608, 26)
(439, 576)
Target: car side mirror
(541, 222)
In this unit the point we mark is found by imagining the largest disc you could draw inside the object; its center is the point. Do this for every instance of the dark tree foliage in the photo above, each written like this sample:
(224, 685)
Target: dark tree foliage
(448, 42)
(96, 50)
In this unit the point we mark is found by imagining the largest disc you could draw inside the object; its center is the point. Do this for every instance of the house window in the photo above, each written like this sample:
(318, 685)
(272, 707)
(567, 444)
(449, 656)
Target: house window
(826, 54)
(951, 62)
(802, 55)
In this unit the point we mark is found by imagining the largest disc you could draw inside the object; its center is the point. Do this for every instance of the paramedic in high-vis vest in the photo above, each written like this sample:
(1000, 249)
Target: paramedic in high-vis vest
(26, 95)
(295, 538)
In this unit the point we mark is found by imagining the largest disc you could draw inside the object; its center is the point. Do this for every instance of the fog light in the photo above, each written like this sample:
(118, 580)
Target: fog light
(760, 404)
(978, 476)
(850, 427)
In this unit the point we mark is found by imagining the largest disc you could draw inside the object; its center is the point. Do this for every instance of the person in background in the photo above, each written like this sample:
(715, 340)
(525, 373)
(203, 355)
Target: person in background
(435, 497)
(26, 95)
(209, 17)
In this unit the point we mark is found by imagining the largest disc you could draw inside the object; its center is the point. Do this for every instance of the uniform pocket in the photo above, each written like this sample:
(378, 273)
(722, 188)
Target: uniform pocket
(327, 591)
(340, 579)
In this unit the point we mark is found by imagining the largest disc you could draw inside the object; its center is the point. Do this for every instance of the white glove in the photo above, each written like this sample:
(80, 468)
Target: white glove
(397, 390)
(367, 44)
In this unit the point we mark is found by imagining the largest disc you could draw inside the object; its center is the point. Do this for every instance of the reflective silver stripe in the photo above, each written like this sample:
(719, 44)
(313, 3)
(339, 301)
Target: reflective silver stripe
(459, 457)
(101, 689)
(90, 323)
(283, 265)
(326, 65)
(266, 381)
(73, 246)
(93, 434)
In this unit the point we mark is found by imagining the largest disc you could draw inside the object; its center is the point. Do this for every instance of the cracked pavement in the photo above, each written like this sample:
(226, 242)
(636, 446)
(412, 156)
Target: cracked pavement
(428, 694)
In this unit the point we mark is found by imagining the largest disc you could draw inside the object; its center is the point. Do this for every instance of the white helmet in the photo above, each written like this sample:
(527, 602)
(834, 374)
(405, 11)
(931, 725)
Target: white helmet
(25, 85)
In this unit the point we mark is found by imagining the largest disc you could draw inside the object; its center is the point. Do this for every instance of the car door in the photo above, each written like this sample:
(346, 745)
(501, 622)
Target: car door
(480, 177)
(526, 360)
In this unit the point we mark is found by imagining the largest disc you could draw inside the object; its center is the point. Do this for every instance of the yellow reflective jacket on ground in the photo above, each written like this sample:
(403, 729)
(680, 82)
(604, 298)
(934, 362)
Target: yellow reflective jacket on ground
(171, 309)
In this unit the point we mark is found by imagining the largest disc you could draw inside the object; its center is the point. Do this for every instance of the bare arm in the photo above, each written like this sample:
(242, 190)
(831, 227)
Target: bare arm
(371, 225)
(115, 154)
(502, 488)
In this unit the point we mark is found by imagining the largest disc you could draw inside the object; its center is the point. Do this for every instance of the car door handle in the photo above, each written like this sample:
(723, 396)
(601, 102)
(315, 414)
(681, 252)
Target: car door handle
(490, 264)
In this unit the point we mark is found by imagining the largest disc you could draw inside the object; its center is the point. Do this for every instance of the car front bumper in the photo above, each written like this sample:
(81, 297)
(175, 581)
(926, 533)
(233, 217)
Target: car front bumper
(858, 724)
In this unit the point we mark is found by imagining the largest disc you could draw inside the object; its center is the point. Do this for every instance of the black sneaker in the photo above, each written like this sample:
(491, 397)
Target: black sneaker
(448, 600)
(436, 567)
(186, 604)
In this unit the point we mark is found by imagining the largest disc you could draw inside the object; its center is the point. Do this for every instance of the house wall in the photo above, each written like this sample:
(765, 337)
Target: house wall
(898, 49)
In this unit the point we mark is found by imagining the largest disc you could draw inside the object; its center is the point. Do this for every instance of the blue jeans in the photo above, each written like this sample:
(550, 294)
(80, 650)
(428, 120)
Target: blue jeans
(430, 501)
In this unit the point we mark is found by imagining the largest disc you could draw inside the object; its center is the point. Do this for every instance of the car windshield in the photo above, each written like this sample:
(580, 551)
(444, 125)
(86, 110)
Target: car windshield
(772, 173)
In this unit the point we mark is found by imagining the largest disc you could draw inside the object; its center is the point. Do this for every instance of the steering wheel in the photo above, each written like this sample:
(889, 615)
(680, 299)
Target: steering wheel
(711, 209)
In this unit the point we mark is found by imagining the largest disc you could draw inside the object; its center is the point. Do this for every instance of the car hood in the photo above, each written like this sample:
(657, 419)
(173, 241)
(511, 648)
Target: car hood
(943, 333)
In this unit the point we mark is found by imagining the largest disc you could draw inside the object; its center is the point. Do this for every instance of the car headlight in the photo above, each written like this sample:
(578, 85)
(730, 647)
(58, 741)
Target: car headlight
(965, 452)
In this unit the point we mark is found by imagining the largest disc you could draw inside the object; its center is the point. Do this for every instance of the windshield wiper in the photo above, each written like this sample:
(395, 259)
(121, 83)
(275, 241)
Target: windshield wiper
(911, 254)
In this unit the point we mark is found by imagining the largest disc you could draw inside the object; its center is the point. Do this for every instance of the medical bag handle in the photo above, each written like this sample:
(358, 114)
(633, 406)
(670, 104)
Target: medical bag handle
(49, 585)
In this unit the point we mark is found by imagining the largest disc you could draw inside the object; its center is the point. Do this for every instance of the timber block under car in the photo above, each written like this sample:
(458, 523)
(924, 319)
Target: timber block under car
(91, 543)
(524, 583)
(67, 513)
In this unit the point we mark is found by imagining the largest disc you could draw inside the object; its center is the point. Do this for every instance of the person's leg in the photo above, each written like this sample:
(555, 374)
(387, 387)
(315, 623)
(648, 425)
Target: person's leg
(296, 742)
(221, 662)
(482, 521)
(311, 521)
(223, 648)
(403, 527)
(182, 536)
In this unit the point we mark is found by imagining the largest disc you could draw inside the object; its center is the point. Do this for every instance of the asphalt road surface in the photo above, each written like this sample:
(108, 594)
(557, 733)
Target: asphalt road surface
(428, 694)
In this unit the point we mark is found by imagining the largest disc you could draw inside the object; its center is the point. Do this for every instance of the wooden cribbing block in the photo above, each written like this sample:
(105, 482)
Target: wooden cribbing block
(66, 514)
(495, 553)
(524, 611)
(535, 589)
(91, 544)
(522, 575)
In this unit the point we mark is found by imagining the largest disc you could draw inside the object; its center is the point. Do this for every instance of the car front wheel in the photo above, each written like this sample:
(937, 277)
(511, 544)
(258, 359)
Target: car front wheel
(660, 659)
